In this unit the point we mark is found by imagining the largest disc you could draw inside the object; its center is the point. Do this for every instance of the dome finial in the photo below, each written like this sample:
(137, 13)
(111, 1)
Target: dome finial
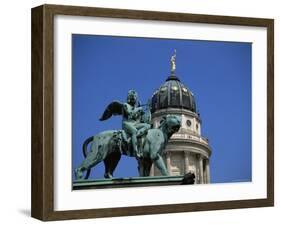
(173, 62)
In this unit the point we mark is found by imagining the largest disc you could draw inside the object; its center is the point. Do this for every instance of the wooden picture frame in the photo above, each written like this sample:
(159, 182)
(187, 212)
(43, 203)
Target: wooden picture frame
(42, 203)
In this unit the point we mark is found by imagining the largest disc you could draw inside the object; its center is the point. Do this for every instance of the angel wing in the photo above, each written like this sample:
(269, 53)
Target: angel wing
(114, 108)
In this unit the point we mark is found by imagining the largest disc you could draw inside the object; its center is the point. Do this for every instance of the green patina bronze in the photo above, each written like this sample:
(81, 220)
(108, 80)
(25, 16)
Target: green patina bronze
(136, 139)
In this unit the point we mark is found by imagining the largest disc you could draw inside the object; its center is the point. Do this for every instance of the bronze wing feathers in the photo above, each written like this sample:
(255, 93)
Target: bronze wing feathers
(114, 108)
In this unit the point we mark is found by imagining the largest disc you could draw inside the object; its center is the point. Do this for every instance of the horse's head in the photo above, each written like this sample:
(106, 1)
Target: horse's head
(171, 123)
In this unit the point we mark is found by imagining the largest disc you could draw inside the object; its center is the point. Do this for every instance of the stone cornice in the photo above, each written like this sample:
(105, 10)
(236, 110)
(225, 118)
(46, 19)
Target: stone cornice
(167, 111)
(181, 145)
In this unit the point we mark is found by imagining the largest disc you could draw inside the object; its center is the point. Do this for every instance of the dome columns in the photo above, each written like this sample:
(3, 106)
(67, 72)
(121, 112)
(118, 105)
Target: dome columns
(186, 162)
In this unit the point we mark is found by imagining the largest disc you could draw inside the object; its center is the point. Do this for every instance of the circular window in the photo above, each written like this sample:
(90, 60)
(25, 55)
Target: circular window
(188, 123)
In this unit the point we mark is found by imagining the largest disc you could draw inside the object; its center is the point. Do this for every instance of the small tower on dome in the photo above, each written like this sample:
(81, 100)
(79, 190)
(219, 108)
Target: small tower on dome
(187, 150)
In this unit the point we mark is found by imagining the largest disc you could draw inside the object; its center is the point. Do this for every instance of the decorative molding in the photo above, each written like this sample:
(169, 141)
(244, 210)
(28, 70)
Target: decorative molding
(166, 111)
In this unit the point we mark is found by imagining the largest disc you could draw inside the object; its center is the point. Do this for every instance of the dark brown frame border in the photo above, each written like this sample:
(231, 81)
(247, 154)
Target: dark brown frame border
(42, 202)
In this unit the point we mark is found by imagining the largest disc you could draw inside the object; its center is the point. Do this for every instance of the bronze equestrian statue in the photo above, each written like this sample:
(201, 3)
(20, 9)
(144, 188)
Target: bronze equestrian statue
(136, 139)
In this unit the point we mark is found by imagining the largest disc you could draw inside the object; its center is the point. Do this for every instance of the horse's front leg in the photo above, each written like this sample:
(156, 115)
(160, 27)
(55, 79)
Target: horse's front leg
(147, 167)
(159, 162)
(110, 162)
(140, 167)
(157, 158)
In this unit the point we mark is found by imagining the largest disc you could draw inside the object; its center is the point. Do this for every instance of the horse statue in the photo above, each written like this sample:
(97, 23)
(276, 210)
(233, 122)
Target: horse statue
(108, 146)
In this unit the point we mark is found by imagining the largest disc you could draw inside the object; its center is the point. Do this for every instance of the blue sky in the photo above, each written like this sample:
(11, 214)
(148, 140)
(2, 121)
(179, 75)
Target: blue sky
(104, 68)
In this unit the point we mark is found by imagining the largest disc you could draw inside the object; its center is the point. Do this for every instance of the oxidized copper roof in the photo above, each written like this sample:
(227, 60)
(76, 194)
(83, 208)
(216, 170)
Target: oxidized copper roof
(173, 94)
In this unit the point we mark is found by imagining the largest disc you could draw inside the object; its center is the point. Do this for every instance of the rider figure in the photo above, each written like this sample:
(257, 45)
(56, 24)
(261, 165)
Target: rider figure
(132, 124)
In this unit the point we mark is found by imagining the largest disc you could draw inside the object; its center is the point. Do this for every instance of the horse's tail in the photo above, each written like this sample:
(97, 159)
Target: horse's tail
(85, 145)
(85, 152)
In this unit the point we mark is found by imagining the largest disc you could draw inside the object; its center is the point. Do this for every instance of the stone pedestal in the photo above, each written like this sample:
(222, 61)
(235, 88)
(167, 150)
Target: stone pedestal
(134, 182)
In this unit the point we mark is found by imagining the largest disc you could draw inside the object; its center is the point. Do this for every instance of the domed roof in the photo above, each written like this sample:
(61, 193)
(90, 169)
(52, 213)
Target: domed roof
(173, 94)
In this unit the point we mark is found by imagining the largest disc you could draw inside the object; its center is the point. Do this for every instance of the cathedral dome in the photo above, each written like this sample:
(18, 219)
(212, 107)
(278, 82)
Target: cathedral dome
(173, 94)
